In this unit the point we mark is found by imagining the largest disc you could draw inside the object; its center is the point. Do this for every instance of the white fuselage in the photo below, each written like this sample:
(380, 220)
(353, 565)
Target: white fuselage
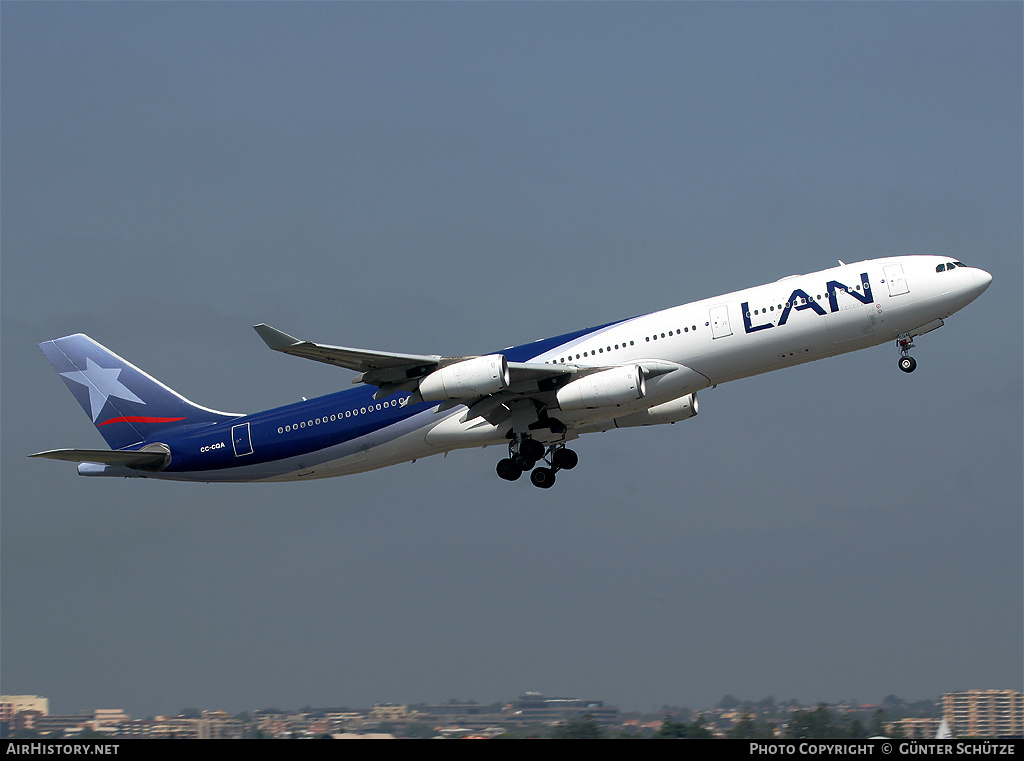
(788, 322)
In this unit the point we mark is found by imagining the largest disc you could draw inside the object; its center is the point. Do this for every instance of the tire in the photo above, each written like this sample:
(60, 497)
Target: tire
(543, 478)
(531, 449)
(508, 470)
(908, 364)
(524, 465)
(565, 459)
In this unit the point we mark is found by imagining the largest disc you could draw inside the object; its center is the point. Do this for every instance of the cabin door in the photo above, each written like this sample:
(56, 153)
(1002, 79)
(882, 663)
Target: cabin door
(241, 439)
(895, 280)
(719, 318)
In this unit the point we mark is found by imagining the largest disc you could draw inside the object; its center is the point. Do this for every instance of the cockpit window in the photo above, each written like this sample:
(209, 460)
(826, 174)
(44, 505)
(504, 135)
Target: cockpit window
(941, 268)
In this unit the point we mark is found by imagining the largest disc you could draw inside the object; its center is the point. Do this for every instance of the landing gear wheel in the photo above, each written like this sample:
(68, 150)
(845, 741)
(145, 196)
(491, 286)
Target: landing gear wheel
(908, 364)
(543, 478)
(564, 459)
(524, 463)
(531, 449)
(905, 343)
(509, 469)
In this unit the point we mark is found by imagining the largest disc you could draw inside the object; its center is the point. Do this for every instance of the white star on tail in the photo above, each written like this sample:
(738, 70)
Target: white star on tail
(102, 383)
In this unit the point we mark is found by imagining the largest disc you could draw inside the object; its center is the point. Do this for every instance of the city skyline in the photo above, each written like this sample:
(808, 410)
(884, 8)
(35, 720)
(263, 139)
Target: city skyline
(972, 714)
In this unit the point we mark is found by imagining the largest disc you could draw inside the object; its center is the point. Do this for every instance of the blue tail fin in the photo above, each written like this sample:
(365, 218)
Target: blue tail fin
(126, 405)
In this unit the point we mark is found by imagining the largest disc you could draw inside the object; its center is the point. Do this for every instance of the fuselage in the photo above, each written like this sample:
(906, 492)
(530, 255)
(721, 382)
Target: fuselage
(788, 322)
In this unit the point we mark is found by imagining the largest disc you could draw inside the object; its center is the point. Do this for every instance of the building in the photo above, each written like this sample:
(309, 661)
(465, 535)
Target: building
(219, 725)
(984, 713)
(11, 705)
(915, 728)
(105, 719)
(389, 712)
(535, 707)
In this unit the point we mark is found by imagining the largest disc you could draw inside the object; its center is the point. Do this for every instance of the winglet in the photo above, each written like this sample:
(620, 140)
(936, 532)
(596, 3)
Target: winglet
(274, 338)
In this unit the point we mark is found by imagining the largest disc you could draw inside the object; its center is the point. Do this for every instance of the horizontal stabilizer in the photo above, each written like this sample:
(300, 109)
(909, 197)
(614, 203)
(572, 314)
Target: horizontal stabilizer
(107, 457)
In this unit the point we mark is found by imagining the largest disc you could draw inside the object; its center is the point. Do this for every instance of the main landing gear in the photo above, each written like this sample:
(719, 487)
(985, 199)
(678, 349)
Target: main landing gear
(523, 455)
(905, 343)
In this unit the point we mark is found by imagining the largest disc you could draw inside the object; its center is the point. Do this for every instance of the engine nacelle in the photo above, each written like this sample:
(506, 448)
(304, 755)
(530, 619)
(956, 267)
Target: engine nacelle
(608, 388)
(673, 411)
(471, 378)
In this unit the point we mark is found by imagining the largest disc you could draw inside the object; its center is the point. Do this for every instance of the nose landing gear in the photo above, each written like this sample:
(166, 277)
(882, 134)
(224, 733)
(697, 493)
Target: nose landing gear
(905, 343)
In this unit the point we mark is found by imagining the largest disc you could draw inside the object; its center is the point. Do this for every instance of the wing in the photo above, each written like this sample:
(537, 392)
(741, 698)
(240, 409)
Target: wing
(431, 377)
(487, 385)
(360, 360)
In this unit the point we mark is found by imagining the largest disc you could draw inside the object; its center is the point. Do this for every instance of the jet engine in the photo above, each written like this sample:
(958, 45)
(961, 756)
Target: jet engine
(468, 379)
(607, 388)
(681, 408)
(672, 411)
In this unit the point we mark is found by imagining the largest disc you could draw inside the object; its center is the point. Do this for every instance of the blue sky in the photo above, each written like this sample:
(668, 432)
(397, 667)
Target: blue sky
(452, 178)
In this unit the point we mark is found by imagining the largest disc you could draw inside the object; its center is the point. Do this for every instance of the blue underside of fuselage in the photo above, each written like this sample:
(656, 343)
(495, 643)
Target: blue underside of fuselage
(309, 426)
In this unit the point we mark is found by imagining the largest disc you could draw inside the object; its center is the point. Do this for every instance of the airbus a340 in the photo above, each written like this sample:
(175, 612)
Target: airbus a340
(533, 399)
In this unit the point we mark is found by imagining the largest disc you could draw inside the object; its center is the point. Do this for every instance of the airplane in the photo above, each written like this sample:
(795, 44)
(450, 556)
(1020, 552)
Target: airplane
(534, 398)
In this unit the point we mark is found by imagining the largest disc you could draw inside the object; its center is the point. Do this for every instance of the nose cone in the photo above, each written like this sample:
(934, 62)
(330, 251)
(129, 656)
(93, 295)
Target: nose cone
(982, 280)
